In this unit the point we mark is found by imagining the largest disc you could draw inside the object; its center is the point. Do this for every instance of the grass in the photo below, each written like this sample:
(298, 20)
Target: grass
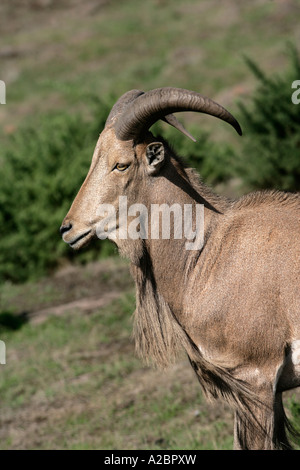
(73, 381)
(119, 46)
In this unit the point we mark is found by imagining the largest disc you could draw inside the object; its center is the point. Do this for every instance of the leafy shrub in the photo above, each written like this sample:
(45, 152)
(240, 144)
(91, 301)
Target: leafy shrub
(212, 161)
(41, 170)
(271, 123)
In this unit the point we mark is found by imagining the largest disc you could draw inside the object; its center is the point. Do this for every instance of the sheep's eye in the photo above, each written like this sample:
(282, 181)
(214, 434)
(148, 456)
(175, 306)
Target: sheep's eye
(121, 166)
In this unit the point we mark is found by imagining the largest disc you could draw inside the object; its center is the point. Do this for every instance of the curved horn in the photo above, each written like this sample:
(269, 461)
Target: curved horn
(157, 104)
(122, 102)
(130, 96)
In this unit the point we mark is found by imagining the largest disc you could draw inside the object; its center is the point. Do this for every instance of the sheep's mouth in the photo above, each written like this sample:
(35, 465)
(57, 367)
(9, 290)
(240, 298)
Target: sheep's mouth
(81, 240)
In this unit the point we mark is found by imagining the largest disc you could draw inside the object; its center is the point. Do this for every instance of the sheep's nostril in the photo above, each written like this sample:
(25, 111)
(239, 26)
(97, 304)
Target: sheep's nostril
(65, 228)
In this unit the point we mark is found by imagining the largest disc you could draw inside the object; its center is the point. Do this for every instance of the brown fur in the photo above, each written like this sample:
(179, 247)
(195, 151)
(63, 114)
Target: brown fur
(159, 338)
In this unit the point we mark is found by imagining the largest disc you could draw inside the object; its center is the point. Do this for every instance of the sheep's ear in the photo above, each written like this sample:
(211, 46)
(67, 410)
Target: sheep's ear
(155, 157)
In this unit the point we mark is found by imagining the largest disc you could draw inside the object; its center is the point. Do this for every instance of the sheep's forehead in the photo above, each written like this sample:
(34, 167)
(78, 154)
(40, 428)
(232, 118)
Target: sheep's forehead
(110, 150)
(111, 147)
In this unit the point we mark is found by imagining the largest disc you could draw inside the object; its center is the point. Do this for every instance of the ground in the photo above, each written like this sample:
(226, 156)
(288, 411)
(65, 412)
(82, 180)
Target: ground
(72, 380)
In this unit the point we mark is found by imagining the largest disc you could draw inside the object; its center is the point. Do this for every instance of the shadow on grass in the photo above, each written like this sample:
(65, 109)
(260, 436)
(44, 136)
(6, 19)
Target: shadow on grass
(12, 321)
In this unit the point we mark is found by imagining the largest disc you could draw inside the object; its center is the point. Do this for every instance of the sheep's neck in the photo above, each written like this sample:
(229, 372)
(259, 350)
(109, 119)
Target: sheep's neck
(171, 261)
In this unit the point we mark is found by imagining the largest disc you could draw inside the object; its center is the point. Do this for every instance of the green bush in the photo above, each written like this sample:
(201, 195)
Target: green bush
(41, 170)
(211, 160)
(271, 124)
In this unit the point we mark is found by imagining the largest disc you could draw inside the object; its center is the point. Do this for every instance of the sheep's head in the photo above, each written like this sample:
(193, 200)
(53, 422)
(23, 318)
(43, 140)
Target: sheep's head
(127, 156)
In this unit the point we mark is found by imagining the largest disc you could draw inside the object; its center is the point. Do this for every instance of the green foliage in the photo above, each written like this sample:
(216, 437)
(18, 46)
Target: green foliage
(41, 169)
(211, 160)
(295, 411)
(271, 151)
(294, 407)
